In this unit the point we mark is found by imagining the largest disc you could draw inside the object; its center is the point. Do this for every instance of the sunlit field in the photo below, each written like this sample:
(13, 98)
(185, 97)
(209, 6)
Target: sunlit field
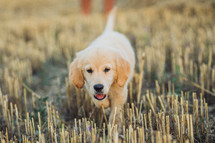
(170, 99)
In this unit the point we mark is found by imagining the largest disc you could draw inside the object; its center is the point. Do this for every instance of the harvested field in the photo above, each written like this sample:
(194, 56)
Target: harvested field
(171, 98)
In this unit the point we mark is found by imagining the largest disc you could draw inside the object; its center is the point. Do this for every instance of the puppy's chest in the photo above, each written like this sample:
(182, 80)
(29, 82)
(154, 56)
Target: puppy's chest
(117, 93)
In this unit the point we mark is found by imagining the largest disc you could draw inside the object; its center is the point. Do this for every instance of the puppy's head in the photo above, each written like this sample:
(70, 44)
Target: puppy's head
(98, 71)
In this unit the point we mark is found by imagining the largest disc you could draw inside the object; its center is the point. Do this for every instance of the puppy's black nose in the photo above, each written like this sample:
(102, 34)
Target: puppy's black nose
(98, 87)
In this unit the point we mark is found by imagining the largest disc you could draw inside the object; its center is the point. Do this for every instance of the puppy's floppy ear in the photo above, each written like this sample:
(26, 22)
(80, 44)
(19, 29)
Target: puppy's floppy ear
(75, 74)
(123, 71)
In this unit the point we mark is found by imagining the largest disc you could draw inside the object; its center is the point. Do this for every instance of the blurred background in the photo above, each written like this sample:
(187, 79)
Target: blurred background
(39, 39)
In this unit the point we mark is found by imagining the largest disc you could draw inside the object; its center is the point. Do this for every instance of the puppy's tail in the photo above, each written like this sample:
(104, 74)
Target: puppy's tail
(110, 21)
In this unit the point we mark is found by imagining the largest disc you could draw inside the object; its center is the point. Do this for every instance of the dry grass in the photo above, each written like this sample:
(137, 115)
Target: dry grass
(167, 97)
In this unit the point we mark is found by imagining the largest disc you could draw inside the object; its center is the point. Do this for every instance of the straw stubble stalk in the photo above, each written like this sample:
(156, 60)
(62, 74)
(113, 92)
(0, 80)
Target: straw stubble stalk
(182, 128)
(12, 117)
(39, 119)
(207, 121)
(158, 137)
(157, 88)
(163, 125)
(161, 103)
(144, 102)
(33, 100)
(140, 79)
(158, 121)
(150, 103)
(25, 101)
(30, 90)
(17, 121)
(191, 130)
(137, 117)
(7, 138)
(127, 136)
(140, 110)
(202, 113)
(130, 91)
(133, 114)
(150, 125)
(104, 132)
(169, 86)
(145, 123)
(196, 116)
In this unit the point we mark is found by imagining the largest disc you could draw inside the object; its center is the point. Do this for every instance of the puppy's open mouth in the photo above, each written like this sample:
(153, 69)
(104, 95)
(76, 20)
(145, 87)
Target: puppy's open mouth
(100, 96)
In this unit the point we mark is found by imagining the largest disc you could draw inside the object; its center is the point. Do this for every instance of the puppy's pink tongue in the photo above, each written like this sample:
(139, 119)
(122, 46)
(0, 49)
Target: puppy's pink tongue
(100, 96)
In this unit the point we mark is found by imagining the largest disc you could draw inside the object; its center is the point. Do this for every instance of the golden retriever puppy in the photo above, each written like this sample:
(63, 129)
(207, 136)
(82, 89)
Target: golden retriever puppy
(105, 69)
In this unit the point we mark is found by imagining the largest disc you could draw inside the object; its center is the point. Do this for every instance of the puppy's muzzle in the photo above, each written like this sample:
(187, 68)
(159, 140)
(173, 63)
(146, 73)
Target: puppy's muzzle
(99, 94)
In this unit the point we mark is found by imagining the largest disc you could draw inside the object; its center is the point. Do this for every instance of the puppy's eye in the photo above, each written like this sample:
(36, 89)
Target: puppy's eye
(90, 71)
(107, 70)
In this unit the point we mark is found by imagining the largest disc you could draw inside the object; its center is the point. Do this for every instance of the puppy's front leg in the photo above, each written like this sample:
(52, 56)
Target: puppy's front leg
(118, 97)
(116, 115)
(116, 111)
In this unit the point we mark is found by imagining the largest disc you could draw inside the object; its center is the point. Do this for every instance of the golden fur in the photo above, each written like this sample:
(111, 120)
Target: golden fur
(111, 51)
